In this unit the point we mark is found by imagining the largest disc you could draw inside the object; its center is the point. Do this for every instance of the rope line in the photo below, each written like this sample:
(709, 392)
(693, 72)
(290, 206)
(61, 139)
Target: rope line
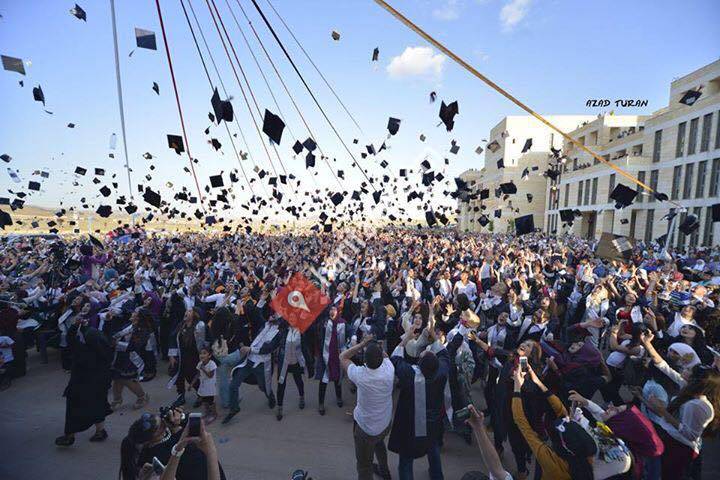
(177, 101)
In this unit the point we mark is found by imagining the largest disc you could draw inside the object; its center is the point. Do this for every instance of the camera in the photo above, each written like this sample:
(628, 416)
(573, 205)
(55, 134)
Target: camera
(166, 411)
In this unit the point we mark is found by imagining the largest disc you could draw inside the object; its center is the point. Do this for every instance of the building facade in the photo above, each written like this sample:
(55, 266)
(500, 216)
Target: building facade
(505, 144)
(675, 151)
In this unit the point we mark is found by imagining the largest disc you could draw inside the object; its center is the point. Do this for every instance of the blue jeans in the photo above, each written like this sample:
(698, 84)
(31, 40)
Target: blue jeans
(405, 467)
(239, 376)
(652, 468)
(223, 376)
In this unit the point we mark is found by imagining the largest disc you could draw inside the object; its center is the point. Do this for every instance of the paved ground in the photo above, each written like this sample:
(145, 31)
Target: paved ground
(254, 447)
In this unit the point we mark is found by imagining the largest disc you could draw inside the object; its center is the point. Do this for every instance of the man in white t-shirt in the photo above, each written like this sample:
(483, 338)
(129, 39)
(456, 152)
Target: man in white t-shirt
(373, 412)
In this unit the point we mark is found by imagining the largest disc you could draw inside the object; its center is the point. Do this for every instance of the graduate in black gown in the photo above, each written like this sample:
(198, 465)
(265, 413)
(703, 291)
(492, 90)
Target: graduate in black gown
(87, 391)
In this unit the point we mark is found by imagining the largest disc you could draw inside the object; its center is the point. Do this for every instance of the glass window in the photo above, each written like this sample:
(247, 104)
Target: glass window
(633, 221)
(567, 194)
(649, 220)
(687, 185)
(680, 142)
(700, 183)
(708, 230)
(640, 197)
(697, 211)
(653, 183)
(580, 193)
(611, 185)
(717, 132)
(692, 142)
(680, 235)
(587, 192)
(705, 136)
(593, 200)
(657, 146)
(677, 171)
(714, 173)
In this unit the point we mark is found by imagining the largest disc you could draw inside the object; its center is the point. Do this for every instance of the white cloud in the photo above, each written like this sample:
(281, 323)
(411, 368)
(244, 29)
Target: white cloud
(449, 10)
(513, 13)
(418, 62)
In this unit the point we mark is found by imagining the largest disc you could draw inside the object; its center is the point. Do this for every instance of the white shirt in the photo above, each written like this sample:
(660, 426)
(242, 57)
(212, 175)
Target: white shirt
(469, 289)
(207, 384)
(373, 411)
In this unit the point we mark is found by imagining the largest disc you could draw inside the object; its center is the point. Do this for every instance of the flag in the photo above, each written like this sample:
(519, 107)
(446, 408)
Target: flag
(299, 302)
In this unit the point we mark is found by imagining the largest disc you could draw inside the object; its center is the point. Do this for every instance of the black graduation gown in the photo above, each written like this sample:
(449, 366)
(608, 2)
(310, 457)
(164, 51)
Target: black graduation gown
(402, 436)
(90, 378)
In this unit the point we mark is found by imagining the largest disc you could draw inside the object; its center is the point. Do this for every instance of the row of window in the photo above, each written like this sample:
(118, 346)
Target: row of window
(690, 139)
(682, 182)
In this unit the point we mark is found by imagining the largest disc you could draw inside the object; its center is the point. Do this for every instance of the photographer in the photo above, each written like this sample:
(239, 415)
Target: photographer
(164, 437)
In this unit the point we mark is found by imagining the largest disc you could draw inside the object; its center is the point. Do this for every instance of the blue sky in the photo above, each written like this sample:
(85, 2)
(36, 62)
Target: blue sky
(552, 54)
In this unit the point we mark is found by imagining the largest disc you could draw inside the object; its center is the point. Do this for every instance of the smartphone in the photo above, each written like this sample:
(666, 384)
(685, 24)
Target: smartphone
(158, 467)
(523, 364)
(194, 424)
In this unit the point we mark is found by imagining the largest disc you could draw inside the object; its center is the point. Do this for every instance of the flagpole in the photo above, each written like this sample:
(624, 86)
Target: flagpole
(120, 96)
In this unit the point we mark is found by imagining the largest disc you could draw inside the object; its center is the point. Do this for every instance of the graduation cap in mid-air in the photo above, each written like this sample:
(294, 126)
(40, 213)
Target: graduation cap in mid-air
(13, 64)
(156, 88)
(335, 35)
(78, 13)
(223, 108)
(5, 219)
(104, 211)
(430, 218)
(567, 216)
(273, 126)
(623, 195)
(145, 39)
(493, 146)
(690, 224)
(38, 94)
(176, 143)
(105, 191)
(690, 97)
(393, 125)
(483, 220)
(479, 150)
(151, 197)
(80, 171)
(508, 188)
(484, 194)
(309, 144)
(447, 114)
(375, 54)
(524, 224)
(34, 185)
(297, 147)
(528, 144)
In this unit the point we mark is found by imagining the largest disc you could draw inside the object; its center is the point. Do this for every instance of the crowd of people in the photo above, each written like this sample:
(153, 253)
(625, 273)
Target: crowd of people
(583, 367)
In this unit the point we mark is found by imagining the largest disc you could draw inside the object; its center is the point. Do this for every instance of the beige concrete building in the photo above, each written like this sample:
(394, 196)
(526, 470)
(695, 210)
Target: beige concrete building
(675, 150)
(506, 142)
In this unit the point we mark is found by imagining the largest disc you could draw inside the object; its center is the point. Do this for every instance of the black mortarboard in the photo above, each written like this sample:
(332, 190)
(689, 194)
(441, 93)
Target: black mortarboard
(104, 211)
(624, 221)
(223, 108)
(96, 242)
(483, 220)
(145, 39)
(38, 95)
(552, 174)
(425, 164)
(153, 198)
(335, 35)
(273, 126)
(156, 88)
(433, 96)
(99, 171)
(131, 209)
(309, 160)
(430, 218)
(428, 178)
(5, 158)
(455, 148)
(716, 212)
(403, 172)
(690, 224)
(13, 64)
(176, 143)
(493, 146)
(500, 163)
(484, 193)
(376, 52)
(529, 197)
(528, 144)
(384, 164)
(215, 143)
(567, 216)
(78, 13)
(623, 195)
(660, 197)
(690, 97)
(498, 213)
(309, 144)
(4, 201)
(336, 198)
(298, 147)
(5, 219)
(447, 114)
(34, 185)
(508, 188)
(376, 197)
(105, 191)
(524, 224)
(525, 173)
(393, 125)
(479, 150)
(80, 171)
